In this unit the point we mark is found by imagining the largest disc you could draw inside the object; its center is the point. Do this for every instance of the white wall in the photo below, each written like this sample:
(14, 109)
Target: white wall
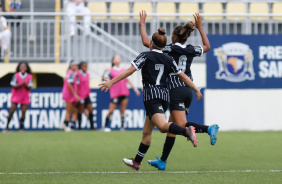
(255, 109)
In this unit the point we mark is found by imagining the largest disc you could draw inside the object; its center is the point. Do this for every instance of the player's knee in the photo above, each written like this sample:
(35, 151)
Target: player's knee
(163, 129)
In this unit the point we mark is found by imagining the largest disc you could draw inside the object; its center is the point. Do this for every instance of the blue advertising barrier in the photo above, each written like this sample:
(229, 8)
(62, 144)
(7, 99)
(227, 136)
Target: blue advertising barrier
(244, 61)
(47, 110)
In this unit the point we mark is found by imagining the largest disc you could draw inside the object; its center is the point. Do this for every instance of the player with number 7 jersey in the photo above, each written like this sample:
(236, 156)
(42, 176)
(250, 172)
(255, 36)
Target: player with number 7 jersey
(155, 68)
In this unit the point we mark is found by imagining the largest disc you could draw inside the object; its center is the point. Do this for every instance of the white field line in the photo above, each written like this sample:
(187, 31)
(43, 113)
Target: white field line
(138, 172)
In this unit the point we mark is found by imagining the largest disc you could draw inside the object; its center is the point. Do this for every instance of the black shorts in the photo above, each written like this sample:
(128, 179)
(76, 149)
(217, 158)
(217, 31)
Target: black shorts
(118, 100)
(180, 98)
(85, 101)
(155, 106)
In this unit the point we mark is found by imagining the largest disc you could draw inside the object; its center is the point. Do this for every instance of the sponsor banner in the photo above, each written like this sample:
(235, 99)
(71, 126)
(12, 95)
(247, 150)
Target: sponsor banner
(244, 61)
(47, 110)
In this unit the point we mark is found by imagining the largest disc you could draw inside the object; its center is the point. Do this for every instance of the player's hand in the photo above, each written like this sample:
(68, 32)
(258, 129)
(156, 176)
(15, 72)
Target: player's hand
(105, 85)
(143, 16)
(104, 79)
(23, 83)
(77, 97)
(137, 92)
(198, 94)
(198, 21)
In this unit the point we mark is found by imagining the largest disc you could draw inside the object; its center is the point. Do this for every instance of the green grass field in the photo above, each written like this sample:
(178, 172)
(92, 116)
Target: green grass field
(96, 157)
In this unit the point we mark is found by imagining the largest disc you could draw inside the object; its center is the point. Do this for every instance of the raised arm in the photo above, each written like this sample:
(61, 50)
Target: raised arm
(144, 36)
(190, 83)
(108, 84)
(198, 24)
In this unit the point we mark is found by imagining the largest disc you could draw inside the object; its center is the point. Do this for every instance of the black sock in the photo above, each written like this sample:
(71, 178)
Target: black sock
(79, 117)
(72, 125)
(169, 142)
(177, 130)
(107, 122)
(122, 122)
(66, 123)
(8, 122)
(91, 120)
(141, 152)
(199, 128)
(21, 123)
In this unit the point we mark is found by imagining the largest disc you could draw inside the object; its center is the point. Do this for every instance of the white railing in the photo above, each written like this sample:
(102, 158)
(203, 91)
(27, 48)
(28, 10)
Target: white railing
(36, 39)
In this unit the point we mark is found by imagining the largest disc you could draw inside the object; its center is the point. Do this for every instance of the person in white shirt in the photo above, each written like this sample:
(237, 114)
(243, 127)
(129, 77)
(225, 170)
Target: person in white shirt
(78, 6)
(5, 33)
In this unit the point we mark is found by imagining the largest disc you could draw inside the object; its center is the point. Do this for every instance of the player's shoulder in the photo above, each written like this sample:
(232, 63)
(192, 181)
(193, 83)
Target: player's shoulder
(168, 48)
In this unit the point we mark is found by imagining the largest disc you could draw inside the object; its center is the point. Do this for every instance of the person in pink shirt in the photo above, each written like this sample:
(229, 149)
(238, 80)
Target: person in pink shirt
(119, 92)
(70, 95)
(21, 84)
(85, 104)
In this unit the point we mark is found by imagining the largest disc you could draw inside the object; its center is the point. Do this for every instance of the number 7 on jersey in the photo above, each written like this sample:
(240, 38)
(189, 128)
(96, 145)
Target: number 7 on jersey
(159, 67)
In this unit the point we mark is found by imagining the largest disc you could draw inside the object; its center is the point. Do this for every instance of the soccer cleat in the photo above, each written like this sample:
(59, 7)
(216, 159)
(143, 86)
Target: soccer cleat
(107, 130)
(130, 162)
(212, 131)
(161, 165)
(190, 133)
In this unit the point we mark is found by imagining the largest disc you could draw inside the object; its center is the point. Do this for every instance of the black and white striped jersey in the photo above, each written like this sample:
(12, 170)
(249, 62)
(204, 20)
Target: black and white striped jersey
(183, 56)
(156, 68)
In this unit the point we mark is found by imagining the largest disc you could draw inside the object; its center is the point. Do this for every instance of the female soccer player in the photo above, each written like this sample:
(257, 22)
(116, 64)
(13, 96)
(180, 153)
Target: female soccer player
(180, 102)
(156, 68)
(21, 84)
(83, 92)
(119, 92)
(70, 95)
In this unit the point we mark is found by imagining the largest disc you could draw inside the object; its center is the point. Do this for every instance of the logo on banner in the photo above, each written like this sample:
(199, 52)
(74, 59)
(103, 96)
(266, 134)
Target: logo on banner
(235, 61)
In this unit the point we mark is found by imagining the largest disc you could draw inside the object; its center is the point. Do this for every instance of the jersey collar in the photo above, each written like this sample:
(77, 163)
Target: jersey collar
(23, 76)
(116, 68)
(156, 50)
(82, 73)
(180, 45)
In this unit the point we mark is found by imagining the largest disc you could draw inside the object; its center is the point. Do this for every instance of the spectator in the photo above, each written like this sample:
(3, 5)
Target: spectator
(78, 6)
(5, 33)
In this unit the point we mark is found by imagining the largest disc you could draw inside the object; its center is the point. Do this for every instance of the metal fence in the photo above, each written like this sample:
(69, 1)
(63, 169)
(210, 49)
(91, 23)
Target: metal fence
(46, 39)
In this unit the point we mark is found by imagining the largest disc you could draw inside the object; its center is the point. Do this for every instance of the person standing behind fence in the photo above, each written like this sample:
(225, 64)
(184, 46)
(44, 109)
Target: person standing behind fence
(70, 95)
(78, 6)
(21, 84)
(5, 33)
(119, 92)
(85, 104)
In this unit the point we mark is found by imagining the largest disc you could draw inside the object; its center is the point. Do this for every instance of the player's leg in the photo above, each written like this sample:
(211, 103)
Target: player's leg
(74, 112)
(24, 107)
(143, 147)
(90, 115)
(79, 114)
(68, 115)
(211, 130)
(112, 107)
(123, 106)
(12, 110)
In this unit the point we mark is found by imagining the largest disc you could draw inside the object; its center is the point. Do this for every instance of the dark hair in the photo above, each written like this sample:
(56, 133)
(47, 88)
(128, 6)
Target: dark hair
(113, 58)
(183, 31)
(27, 66)
(82, 63)
(159, 38)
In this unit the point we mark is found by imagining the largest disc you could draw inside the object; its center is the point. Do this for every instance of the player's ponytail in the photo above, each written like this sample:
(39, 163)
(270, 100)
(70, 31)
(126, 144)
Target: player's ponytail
(159, 39)
(183, 31)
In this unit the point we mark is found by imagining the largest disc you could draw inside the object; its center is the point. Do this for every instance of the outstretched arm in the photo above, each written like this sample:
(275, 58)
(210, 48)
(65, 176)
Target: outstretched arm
(133, 87)
(190, 83)
(109, 83)
(144, 36)
(198, 24)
